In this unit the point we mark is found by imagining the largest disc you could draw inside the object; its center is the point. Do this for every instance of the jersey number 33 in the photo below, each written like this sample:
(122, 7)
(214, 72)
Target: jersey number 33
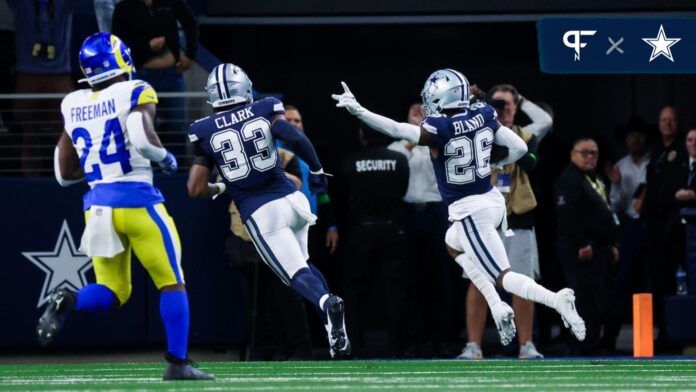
(238, 163)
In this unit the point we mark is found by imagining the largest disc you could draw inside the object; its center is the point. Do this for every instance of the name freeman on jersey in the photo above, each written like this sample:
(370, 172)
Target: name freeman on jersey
(368, 165)
(240, 115)
(86, 113)
(469, 125)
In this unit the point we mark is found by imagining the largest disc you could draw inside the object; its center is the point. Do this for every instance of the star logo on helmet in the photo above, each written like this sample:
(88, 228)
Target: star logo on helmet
(435, 79)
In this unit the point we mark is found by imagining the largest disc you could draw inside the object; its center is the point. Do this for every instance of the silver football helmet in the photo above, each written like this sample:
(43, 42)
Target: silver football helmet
(445, 89)
(228, 85)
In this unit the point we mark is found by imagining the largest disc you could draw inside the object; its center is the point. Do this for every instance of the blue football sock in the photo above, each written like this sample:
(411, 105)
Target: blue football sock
(319, 275)
(174, 310)
(95, 298)
(309, 286)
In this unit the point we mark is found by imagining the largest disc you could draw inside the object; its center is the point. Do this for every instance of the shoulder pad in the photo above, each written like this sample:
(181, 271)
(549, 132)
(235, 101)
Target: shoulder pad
(274, 105)
(142, 94)
(193, 129)
(486, 110)
(432, 123)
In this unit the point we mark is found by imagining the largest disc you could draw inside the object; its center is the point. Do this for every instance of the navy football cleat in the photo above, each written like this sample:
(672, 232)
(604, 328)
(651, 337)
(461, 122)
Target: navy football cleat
(60, 303)
(183, 369)
(339, 344)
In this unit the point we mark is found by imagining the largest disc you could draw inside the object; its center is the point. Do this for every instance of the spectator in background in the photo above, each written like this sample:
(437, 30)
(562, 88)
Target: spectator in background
(627, 180)
(7, 61)
(42, 40)
(513, 182)
(688, 192)
(104, 11)
(686, 195)
(586, 238)
(375, 182)
(429, 279)
(325, 231)
(276, 313)
(149, 28)
(660, 212)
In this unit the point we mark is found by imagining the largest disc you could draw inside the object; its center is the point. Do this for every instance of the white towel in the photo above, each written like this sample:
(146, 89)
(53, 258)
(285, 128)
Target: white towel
(300, 204)
(100, 238)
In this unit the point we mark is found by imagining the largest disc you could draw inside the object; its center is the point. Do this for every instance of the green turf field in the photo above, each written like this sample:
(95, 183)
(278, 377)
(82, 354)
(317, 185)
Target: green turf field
(365, 375)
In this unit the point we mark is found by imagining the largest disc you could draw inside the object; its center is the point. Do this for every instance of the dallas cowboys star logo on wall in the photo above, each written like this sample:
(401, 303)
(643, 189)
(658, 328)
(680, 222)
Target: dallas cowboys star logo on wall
(661, 45)
(65, 266)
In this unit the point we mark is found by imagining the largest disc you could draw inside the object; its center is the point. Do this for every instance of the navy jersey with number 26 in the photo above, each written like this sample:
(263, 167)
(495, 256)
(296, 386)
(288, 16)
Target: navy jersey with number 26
(240, 143)
(465, 140)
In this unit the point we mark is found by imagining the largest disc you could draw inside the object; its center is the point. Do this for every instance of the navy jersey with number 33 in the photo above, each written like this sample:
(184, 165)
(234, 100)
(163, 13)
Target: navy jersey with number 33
(465, 140)
(240, 143)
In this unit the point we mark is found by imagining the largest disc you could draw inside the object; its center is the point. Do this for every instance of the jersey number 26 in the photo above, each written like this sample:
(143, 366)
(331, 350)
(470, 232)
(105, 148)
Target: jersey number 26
(462, 150)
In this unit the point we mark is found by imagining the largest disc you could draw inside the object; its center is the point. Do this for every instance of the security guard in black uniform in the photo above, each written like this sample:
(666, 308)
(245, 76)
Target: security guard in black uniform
(375, 180)
(587, 237)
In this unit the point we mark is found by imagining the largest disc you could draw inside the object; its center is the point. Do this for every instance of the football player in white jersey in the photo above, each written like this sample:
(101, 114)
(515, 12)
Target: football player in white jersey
(110, 141)
(461, 138)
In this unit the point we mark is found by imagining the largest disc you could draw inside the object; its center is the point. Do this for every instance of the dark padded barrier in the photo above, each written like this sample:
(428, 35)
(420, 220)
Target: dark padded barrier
(33, 211)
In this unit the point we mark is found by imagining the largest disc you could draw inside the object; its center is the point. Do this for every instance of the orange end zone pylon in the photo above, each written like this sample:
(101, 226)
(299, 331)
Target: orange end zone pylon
(642, 326)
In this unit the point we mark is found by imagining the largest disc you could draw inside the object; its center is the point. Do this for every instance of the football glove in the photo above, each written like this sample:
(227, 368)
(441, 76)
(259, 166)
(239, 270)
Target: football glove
(347, 100)
(169, 164)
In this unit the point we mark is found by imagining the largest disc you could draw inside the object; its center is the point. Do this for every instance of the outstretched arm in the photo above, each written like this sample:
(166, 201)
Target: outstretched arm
(389, 127)
(66, 164)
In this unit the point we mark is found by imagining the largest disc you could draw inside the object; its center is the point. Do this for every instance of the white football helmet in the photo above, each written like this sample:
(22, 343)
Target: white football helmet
(445, 89)
(228, 85)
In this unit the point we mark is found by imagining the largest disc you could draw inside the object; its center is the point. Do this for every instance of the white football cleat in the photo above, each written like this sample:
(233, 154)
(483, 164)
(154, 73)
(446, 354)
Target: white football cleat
(565, 306)
(504, 319)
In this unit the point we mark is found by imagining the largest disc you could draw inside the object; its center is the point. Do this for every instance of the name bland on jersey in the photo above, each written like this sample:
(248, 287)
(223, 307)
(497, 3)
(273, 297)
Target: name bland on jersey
(368, 165)
(233, 118)
(90, 112)
(469, 125)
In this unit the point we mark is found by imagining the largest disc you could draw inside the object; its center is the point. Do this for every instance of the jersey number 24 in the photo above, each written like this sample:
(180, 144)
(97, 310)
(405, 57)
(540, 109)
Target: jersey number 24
(122, 156)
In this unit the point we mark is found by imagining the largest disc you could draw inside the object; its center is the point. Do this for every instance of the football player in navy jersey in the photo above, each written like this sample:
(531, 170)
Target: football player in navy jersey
(461, 137)
(240, 139)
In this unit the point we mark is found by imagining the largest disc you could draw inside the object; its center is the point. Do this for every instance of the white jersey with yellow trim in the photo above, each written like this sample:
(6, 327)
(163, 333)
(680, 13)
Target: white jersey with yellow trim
(96, 123)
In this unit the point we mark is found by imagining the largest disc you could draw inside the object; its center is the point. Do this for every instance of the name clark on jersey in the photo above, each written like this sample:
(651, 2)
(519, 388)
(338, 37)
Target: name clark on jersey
(233, 118)
(469, 125)
(367, 165)
(86, 113)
